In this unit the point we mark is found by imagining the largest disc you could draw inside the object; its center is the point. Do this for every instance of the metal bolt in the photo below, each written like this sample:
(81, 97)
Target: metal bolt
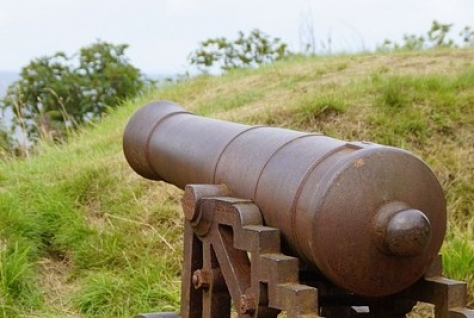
(201, 279)
(247, 303)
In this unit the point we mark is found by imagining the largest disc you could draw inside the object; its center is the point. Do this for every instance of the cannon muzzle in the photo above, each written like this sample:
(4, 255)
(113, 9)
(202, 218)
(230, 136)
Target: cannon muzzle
(371, 218)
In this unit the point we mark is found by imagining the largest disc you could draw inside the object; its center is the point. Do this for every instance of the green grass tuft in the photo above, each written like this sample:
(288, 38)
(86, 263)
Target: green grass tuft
(458, 255)
(228, 102)
(311, 108)
(17, 289)
(127, 293)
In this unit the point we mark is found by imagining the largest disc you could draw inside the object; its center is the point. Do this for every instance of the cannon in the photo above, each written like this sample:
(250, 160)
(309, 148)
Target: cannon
(279, 220)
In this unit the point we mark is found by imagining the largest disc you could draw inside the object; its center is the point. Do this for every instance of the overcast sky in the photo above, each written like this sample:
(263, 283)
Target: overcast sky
(162, 33)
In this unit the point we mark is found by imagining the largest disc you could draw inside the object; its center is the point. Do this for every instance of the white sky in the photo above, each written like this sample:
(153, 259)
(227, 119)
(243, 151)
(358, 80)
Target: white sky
(162, 33)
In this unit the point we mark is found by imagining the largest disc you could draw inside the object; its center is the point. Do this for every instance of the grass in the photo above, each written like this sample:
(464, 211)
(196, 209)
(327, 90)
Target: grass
(82, 235)
(460, 245)
(16, 279)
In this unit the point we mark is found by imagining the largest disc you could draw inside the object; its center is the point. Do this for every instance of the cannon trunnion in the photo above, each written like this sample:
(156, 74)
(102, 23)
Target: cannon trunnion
(284, 220)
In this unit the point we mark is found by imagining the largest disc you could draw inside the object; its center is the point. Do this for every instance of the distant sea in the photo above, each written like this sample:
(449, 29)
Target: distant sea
(7, 78)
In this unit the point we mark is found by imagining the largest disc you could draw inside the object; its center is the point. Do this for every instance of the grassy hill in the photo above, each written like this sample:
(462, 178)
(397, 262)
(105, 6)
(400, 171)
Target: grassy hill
(81, 234)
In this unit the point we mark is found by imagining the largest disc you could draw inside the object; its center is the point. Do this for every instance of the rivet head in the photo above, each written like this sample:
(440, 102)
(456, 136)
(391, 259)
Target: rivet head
(247, 303)
(201, 279)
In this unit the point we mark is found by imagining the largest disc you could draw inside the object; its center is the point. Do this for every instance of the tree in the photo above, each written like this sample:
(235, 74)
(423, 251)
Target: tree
(467, 35)
(246, 52)
(438, 35)
(57, 93)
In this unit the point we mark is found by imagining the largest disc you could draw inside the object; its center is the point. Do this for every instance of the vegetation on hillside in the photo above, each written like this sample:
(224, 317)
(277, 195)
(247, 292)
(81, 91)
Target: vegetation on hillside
(438, 37)
(247, 51)
(81, 234)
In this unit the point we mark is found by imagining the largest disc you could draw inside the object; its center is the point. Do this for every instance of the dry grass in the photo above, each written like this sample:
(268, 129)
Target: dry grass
(57, 286)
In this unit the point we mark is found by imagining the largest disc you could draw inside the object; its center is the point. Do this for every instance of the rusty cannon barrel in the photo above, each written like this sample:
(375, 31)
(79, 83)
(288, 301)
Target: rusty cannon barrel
(370, 218)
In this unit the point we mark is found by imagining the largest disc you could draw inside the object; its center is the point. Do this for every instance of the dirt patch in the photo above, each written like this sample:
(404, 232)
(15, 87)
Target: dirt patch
(57, 286)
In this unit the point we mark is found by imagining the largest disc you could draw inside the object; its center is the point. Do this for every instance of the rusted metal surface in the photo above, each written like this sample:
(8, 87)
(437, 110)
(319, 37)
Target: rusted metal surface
(346, 208)
(401, 231)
